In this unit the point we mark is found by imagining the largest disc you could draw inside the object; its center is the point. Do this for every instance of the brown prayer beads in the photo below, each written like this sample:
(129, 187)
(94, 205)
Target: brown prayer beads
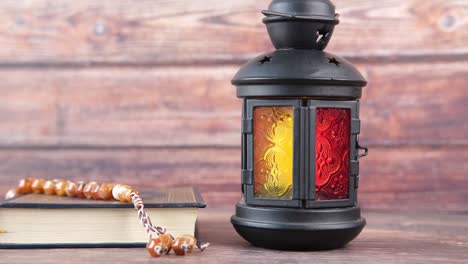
(24, 186)
(79, 189)
(104, 191)
(157, 247)
(60, 186)
(123, 192)
(37, 186)
(71, 189)
(181, 245)
(184, 244)
(49, 187)
(89, 190)
(160, 246)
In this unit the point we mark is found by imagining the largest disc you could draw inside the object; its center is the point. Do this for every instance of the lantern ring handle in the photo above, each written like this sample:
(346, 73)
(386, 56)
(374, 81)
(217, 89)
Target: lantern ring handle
(366, 150)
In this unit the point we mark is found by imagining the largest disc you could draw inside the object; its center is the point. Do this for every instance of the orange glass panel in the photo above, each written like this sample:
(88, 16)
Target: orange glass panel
(333, 128)
(273, 152)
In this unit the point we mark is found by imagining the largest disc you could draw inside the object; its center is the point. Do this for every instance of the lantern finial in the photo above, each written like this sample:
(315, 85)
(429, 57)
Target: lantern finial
(300, 24)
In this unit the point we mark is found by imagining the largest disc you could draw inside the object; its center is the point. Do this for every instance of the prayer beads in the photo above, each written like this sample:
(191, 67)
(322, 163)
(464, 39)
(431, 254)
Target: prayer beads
(181, 245)
(160, 246)
(37, 186)
(49, 187)
(89, 190)
(184, 244)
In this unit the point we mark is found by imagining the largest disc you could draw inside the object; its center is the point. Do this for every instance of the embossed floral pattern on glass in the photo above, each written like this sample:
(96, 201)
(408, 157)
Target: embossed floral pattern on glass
(273, 152)
(332, 153)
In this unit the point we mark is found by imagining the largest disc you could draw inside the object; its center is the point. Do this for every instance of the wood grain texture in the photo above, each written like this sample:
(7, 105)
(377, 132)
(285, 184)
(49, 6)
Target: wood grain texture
(403, 178)
(391, 237)
(183, 31)
(404, 104)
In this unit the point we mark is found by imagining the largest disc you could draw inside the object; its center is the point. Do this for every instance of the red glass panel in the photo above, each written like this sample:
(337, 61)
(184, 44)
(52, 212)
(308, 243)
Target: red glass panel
(332, 153)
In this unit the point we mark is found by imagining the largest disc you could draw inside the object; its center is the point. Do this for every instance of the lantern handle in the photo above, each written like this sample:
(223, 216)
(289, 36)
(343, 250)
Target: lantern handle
(366, 150)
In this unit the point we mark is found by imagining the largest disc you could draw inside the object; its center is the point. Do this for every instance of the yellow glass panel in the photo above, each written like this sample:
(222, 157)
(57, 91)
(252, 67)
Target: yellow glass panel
(273, 152)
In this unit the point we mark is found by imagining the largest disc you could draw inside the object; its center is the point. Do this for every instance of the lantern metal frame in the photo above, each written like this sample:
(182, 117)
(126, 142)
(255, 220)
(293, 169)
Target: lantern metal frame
(303, 151)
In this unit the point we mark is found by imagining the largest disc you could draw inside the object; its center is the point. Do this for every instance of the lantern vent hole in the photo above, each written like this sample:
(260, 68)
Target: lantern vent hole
(321, 36)
(265, 59)
(334, 61)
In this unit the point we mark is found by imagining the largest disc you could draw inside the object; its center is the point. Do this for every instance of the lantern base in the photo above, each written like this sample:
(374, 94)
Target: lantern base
(298, 229)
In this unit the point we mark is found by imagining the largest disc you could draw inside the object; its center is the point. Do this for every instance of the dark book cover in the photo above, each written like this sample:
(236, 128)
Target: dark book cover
(160, 198)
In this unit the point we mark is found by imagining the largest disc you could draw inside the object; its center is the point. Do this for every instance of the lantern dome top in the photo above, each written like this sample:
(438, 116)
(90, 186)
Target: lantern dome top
(299, 73)
(300, 30)
(302, 9)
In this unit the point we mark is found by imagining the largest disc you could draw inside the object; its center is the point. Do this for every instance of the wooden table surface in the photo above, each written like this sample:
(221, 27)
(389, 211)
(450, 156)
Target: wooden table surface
(389, 237)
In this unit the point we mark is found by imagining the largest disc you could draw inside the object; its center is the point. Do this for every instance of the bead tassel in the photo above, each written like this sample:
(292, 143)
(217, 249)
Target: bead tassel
(157, 247)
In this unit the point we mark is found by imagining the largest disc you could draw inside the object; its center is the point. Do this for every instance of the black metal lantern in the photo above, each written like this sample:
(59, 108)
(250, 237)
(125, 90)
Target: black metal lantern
(300, 129)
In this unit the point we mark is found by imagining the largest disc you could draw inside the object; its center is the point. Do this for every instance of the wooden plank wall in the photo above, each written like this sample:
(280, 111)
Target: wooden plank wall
(139, 92)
